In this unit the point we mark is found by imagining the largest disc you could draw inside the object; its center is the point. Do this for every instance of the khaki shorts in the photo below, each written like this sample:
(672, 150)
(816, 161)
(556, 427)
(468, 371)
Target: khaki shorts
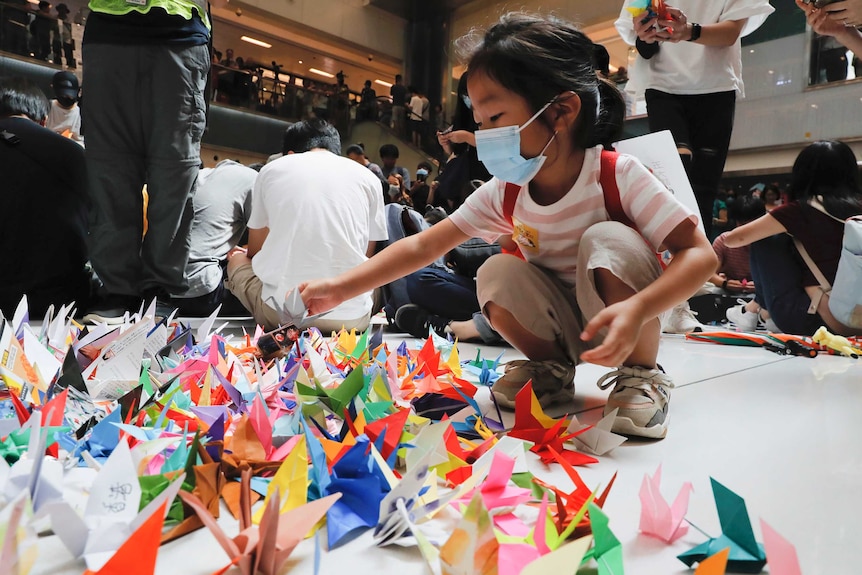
(247, 288)
(548, 309)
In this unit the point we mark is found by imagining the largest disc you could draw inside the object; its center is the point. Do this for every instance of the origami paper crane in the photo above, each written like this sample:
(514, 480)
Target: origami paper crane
(290, 481)
(406, 503)
(18, 544)
(746, 554)
(266, 548)
(100, 440)
(598, 438)
(516, 553)
(362, 485)
(495, 491)
(715, 565)
(547, 435)
(563, 560)
(35, 474)
(137, 556)
(472, 548)
(572, 507)
(111, 515)
(337, 399)
(607, 551)
(658, 519)
(781, 553)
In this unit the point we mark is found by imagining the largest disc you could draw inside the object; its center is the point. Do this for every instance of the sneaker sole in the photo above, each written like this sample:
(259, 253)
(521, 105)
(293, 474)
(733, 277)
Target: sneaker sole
(625, 426)
(96, 318)
(547, 400)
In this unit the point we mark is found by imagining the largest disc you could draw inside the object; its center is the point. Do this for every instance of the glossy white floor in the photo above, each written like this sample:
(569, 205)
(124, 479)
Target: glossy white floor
(781, 432)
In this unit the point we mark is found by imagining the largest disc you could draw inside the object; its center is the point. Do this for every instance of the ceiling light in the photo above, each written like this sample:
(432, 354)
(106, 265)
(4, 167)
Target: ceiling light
(300, 61)
(382, 83)
(255, 41)
(321, 73)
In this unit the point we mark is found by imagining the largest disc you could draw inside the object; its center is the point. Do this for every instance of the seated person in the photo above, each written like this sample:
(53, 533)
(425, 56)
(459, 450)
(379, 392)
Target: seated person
(356, 152)
(64, 117)
(445, 300)
(44, 198)
(824, 191)
(397, 176)
(734, 270)
(222, 204)
(302, 227)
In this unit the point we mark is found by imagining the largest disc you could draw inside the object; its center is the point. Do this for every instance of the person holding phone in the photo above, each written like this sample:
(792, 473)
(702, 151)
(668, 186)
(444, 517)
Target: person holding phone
(690, 67)
(837, 19)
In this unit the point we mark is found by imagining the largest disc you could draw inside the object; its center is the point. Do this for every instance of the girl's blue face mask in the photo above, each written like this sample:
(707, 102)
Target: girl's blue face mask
(500, 150)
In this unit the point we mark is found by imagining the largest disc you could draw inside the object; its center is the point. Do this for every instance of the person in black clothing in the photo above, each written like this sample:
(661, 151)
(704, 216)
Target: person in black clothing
(367, 103)
(46, 32)
(398, 91)
(43, 237)
(462, 165)
(145, 80)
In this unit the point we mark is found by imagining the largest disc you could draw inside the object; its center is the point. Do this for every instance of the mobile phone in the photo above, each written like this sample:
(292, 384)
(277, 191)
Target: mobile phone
(277, 341)
(448, 130)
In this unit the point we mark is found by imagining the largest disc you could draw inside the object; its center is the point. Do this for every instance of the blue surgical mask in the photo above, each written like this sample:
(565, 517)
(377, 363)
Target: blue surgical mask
(500, 150)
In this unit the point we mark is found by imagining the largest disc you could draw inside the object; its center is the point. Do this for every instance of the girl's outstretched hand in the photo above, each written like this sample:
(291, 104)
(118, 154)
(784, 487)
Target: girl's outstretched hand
(319, 296)
(624, 321)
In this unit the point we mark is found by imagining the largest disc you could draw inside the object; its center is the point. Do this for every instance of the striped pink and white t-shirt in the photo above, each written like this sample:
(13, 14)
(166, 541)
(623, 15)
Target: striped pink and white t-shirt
(549, 235)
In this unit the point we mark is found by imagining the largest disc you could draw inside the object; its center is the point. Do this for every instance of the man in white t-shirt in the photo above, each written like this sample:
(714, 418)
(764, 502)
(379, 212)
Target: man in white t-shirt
(64, 116)
(314, 214)
(690, 67)
(417, 104)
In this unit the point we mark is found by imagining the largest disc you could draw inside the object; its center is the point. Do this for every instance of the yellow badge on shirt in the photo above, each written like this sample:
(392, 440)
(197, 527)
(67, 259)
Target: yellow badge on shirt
(525, 236)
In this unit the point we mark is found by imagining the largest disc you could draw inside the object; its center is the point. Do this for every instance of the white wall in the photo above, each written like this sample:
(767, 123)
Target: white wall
(779, 109)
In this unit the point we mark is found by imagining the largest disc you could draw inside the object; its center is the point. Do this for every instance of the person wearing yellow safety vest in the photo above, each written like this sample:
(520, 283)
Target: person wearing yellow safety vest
(144, 113)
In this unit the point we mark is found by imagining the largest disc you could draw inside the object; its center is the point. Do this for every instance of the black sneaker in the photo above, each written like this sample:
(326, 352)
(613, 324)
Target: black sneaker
(111, 309)
(416, 321)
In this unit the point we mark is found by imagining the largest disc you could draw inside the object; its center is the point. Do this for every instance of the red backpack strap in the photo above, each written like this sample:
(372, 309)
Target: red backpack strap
(510, 196)
(610, 189)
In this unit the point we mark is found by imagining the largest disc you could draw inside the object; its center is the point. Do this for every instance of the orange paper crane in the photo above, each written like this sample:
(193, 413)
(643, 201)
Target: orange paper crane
(568, 504)
(137, 556)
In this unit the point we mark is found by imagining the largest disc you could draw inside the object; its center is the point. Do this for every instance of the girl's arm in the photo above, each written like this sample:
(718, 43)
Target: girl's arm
(762, 227)
(396, 261)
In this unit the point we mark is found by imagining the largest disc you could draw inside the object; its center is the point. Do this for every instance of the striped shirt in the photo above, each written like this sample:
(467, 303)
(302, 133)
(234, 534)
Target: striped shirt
(732, 262)
(549, 235)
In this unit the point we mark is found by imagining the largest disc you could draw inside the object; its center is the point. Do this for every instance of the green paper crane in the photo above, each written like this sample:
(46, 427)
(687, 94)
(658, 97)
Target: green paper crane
(746, 554)
(607, 551)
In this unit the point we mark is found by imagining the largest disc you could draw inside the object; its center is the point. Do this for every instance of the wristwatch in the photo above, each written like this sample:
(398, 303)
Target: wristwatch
(695, 32)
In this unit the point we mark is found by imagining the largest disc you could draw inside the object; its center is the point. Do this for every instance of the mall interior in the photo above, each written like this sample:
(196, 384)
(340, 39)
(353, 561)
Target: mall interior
(777, 429)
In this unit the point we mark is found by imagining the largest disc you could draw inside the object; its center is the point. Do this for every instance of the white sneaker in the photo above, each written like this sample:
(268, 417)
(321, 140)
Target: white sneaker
(681, 319)
(641, 397)
(743, 320)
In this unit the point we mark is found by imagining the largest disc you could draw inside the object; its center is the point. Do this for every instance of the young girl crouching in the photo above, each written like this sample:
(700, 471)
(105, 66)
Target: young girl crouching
(588, 288)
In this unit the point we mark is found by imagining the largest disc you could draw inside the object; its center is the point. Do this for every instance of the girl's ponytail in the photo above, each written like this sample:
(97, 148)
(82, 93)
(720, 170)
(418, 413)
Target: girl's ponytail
(612, 113)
